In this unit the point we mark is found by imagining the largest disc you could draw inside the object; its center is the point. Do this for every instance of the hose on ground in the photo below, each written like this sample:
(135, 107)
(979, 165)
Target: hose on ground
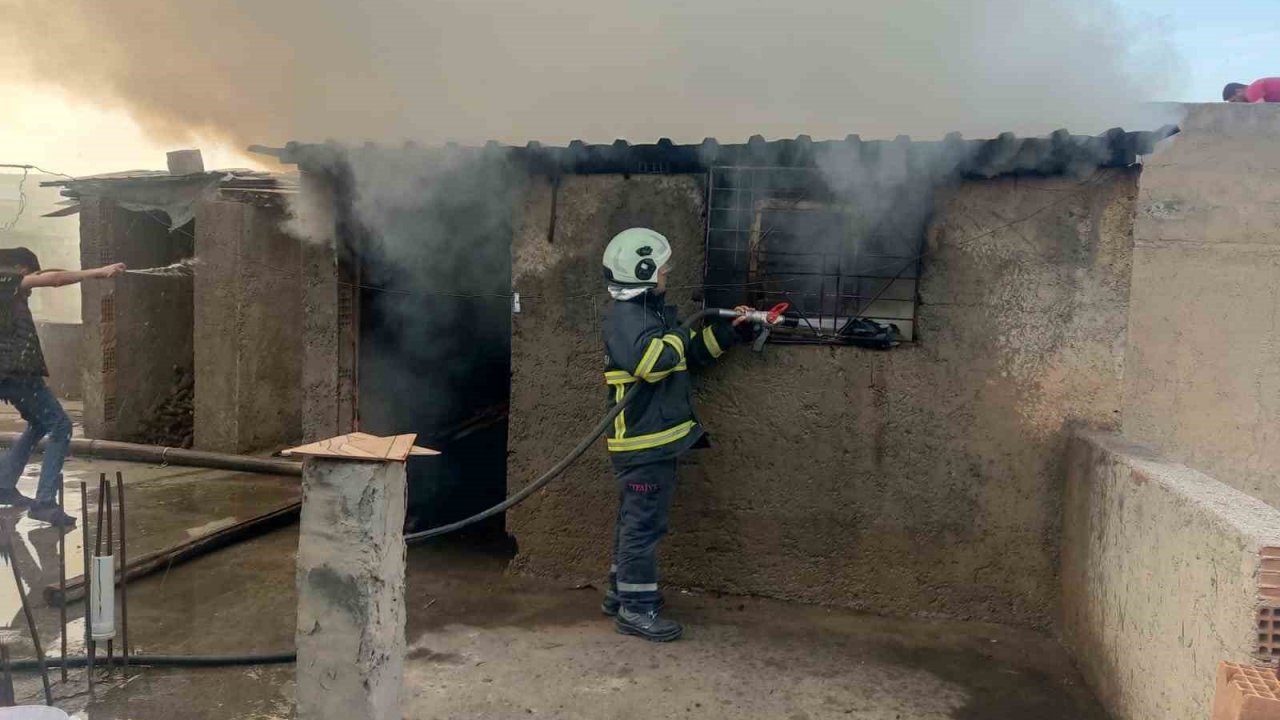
(177, 661)
(206, 661)
(557, 469)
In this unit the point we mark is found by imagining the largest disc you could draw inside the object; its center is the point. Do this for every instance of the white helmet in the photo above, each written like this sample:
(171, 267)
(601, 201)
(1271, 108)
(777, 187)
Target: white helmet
(634, 256)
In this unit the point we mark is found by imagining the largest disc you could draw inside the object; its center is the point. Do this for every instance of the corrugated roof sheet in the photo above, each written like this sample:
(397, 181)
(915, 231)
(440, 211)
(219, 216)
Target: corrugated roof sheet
(159, 190)
(1058, 153)
(231, 179)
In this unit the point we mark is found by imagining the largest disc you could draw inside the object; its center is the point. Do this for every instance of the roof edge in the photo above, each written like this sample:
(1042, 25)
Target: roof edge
(1057, 153)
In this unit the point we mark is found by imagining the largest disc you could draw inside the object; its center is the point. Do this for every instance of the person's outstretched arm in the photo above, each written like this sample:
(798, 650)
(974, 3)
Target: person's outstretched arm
(706, 346)
(59, 278)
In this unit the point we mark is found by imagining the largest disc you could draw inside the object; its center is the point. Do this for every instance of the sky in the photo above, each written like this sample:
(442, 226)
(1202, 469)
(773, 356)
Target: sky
(1218, 42)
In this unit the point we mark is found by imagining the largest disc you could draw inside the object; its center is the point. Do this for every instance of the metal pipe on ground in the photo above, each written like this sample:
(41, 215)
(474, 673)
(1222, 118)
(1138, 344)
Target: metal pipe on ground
(133, 452)
(177, 661)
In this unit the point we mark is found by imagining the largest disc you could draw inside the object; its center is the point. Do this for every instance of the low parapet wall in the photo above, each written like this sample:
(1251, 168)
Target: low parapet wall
(1165, 573)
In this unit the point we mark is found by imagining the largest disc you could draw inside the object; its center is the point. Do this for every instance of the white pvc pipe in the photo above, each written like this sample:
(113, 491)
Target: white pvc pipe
(103, 598)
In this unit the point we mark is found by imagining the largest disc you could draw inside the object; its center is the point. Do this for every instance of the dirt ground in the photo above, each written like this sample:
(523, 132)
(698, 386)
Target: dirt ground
(485, 644)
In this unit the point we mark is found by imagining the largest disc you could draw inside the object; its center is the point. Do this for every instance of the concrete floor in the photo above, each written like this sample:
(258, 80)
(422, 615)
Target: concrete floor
(488, 645)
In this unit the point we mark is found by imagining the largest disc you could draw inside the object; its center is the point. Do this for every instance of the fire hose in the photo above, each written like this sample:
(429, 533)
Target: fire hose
(175, 661)
(762, 318)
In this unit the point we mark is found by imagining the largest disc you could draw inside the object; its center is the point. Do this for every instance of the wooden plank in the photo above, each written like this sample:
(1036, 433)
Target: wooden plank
(362, 446)
(185, 551)
(401, 446)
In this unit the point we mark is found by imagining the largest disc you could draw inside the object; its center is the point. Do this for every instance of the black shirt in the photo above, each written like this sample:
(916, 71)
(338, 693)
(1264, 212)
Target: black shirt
(20, 353)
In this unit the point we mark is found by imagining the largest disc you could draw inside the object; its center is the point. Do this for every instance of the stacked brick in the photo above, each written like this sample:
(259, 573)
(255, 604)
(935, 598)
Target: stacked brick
(1245, 692)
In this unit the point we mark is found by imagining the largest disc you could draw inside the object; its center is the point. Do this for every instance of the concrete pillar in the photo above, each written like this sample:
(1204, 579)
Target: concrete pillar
(330, 301)
(351, 616)
(248, 328)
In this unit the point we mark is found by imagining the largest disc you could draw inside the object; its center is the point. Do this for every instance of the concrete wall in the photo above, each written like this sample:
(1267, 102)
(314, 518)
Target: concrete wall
(1161, 578)
(926, 479)
(63, 345)
(1202, 383)
(328, 318)
(248, 328)
(137, 329)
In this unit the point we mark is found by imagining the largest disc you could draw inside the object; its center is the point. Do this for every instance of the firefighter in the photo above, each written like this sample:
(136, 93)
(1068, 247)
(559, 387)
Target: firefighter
(644, 344)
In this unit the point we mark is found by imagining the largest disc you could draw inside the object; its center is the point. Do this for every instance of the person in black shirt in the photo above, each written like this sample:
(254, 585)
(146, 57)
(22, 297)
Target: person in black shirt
(22, 384)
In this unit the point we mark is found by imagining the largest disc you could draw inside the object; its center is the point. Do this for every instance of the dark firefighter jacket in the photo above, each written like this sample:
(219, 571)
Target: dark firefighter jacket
(644, 344)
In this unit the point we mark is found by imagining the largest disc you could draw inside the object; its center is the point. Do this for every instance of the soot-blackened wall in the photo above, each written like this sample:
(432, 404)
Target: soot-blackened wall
(926, 479)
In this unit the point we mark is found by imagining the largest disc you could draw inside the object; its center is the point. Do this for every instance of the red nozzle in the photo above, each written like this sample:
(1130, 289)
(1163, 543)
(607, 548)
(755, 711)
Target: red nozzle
(776, 311)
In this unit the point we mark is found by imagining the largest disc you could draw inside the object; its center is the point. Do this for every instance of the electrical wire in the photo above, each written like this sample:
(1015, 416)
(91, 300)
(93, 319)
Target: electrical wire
(39, 169)
(22, 202)
(22, 195)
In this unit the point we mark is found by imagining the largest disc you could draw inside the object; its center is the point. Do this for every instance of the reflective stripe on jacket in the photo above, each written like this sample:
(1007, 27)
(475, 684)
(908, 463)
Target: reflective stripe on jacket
(644, 344)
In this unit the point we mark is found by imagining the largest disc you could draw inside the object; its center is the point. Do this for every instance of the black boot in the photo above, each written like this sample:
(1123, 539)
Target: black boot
(11, 497)
(50, 513)
(612, 603)
(648, 625)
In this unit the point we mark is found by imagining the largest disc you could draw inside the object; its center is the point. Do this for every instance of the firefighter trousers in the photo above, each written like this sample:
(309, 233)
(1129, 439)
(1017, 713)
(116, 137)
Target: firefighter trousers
(644, 506)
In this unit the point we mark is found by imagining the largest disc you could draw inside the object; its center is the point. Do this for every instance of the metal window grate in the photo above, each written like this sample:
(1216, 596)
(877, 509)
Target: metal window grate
(777, 234)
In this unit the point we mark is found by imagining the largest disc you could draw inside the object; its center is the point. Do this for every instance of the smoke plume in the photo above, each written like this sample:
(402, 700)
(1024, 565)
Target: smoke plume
(434, 260)
(432, 70)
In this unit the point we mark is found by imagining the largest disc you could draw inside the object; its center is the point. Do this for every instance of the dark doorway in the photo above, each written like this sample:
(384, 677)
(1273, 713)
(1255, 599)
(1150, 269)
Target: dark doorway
(434, 269)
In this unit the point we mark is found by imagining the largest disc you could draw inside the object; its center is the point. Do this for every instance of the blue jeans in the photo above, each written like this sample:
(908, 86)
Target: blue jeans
(44, 416)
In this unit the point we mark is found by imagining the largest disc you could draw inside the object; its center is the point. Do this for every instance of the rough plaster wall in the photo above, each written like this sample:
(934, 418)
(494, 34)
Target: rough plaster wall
(320, 343)
(141, 325)
(1202, 382)
(93, 381)
(351, 615)
(62, 344)
(219, 232)
(326, 401)
(1159, 577)
(922, 480)
(271, 341)
(248, 337)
